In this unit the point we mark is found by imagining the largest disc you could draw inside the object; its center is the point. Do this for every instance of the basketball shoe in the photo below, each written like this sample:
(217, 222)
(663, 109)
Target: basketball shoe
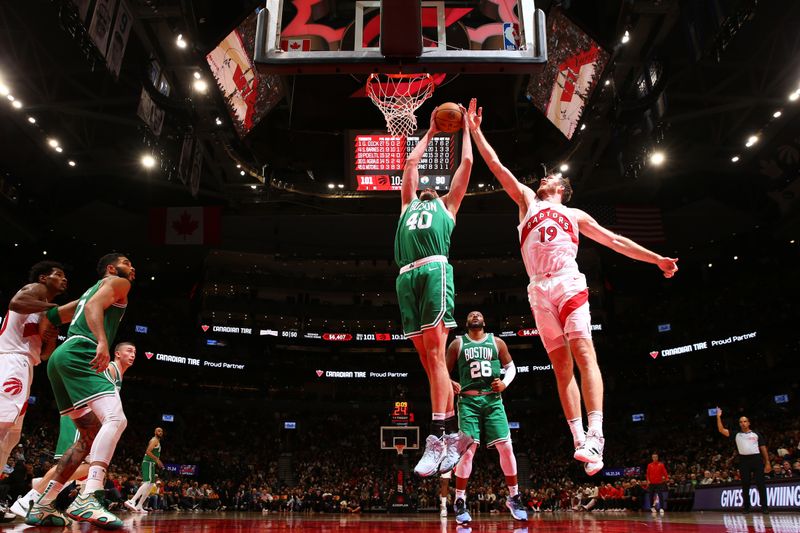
(517, 508)
(462, 515)
(46, 515)
(434, 453)
(591, 451)
(87, 508)
(456, 445)
(593, 468)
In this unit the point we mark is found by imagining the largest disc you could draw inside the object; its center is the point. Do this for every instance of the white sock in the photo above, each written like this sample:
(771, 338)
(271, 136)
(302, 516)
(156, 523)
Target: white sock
(438, 416)
(596, 422)
(50, 492)
(95, 481)
(461, 494)
(576, 427)
(443, 500)
(32, 495)
(513, 490)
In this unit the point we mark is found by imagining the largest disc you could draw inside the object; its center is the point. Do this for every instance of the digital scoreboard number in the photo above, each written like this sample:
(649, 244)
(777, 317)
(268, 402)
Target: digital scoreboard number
(401, 414)
(377, 161)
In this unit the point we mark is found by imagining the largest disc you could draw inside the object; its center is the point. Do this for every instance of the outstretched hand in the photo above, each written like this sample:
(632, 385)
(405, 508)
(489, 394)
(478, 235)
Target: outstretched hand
(719, 411)
(474, 115)
(668, 266)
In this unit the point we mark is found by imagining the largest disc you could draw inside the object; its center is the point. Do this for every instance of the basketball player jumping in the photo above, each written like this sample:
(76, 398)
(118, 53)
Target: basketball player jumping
(425, 291)
(558, 295)
(152, 457)
(68, 434)
(88, 397)
(481, 413)
(22, 347)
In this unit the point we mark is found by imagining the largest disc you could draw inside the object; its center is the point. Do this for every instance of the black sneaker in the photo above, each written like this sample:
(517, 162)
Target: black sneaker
(462, 515)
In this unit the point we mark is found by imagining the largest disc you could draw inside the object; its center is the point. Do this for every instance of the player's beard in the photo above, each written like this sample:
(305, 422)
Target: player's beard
(427, 196)
(476, 325)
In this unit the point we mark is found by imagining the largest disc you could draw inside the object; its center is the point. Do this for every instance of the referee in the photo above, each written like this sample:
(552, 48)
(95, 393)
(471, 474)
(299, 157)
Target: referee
(751, 447)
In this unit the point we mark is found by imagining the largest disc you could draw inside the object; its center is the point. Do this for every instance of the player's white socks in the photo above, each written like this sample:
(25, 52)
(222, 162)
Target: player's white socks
(513, 490)
(33, 494)
(596, 422)
(443, 501)
(461, 494)
(50, 492)
(576, 427)
(96, 480)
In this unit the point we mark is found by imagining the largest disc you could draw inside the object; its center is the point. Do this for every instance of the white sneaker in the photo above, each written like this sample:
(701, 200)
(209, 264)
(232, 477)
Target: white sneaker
(443, 511)
(130, 506)
(141, 510)
(661, 511)
(23, 503)
(592, 449)
(456, 445)
(653, 510)
(435, 450)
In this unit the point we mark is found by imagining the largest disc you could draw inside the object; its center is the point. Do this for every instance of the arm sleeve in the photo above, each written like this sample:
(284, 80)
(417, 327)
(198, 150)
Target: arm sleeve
(511, 372)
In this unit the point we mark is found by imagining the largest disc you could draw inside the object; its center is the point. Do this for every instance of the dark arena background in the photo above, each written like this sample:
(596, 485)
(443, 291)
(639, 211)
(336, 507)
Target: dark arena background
(231, 151)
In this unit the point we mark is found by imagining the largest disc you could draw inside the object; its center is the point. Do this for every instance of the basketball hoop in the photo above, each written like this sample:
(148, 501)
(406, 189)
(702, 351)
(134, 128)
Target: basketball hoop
(398, 96)
(399, 447)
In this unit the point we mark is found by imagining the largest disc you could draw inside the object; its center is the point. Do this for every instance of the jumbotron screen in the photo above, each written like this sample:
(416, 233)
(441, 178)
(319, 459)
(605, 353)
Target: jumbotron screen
(376, 160)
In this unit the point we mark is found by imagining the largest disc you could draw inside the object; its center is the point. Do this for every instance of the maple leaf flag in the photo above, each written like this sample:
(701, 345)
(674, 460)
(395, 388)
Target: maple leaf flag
(185, 225)
(296, 45)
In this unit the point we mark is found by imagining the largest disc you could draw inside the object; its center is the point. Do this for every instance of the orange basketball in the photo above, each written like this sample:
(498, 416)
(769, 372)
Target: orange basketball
(448, 117)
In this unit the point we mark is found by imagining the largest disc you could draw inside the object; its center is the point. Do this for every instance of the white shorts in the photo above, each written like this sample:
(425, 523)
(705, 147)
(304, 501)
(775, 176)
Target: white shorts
(16, 375)
(560, 306)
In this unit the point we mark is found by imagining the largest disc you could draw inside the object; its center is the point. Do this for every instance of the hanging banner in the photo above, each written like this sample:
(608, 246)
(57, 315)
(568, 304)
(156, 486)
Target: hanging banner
(119, 38)
(100, 28)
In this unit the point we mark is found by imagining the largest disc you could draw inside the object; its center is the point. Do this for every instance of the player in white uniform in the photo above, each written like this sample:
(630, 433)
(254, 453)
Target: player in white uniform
(558, 294)
(22, 347)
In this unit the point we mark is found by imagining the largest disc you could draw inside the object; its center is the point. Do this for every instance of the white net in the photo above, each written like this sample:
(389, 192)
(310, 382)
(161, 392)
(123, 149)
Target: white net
(398, 96)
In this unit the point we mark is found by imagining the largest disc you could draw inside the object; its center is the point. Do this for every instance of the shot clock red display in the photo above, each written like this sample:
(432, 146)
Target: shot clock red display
(401, 414)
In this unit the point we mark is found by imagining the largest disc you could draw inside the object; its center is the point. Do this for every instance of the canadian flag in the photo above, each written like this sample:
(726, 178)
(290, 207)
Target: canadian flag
(185, 225)
(296, 45)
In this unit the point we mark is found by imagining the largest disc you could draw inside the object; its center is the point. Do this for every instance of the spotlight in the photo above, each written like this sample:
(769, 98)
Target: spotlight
(626, 37)
(238, 165)
(735, 159)
(776, 114)
(253, 187)
(71, 163)
(52, 142)
(331, 185)
(710, 265)
(179, 42)
(200, 86)
(583, 127)
(32, 120)
(148, 161)
(564, 167)
(657, 158)
(4, 90)
(735, 257)
(10, 97)
(241, 173)
(481, 185)
(44, 252)
(753, 139)
(341, 185)
(16, 104)
(607, 83)
(196, 75)
(218, 121)
(59, 149)
(794, 96)
(152, 278)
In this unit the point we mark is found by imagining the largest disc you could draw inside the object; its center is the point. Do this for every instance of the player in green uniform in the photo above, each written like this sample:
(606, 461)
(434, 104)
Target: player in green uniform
(425, 290)
(152, 457)
(481, 415)
(82, 391)
(68, 434)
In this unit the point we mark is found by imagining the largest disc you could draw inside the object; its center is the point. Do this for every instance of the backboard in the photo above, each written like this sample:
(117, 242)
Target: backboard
(345, 36)
(393, 435)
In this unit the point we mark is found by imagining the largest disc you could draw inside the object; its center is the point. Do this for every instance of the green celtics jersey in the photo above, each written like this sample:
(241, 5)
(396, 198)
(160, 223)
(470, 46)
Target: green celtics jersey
(111, 317)
(115, 378)
(155, 451)
(478, 363)
(424, 229)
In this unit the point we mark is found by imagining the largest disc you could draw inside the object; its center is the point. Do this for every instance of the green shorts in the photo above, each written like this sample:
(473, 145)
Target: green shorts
(483, 415)
(148, 471)
(68, 435)
(426, 296)
(74, 382)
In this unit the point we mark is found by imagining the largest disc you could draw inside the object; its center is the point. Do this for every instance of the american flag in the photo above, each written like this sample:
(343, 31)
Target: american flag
(642, 224)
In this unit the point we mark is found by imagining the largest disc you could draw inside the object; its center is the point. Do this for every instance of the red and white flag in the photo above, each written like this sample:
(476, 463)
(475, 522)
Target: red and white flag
(296, 45)
(185, 225)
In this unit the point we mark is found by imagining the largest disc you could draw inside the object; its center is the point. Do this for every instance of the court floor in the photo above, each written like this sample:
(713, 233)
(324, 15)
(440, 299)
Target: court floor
(428, 523)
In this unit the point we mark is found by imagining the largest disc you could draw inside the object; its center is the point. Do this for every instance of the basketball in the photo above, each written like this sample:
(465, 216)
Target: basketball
(448, 117)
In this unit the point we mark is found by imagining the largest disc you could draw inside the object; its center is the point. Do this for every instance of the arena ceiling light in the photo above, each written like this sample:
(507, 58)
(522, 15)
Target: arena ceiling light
(59, 149)
(794, 96)
(657, 158)
(179, 42)
(197, 75)
(241, 172)
(71, 163)
(254, 187)
(735, 159)
(53, 143)
(200, 86)
(16, 104)
(753, 139)
(148, 161)
(4, 90)
(341, 185)
(564, 167)
(331, 185)
(776, 114)
(583, 127)
(32, 120)
(218, 121)
(625, 37)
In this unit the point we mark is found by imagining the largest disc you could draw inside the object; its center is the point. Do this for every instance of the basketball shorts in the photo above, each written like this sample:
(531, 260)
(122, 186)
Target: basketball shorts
(560, 306)
(426, 297)
(16, 376)
(68, 435)
(148, 471)
(484, 418)
(74, 381)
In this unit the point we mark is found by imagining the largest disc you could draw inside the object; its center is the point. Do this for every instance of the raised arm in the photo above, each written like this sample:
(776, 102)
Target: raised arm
(623, 245)
(408, 187)
(32, 298)
(458, 187)
(521, 194)
(720, 427)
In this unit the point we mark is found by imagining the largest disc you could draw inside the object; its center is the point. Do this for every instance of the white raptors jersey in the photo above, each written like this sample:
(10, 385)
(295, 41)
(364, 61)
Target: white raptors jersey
(548, 238)
(20, 334)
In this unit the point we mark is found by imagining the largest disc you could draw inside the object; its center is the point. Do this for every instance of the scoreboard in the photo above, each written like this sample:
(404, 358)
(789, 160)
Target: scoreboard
(401, 414)
(376, 160)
